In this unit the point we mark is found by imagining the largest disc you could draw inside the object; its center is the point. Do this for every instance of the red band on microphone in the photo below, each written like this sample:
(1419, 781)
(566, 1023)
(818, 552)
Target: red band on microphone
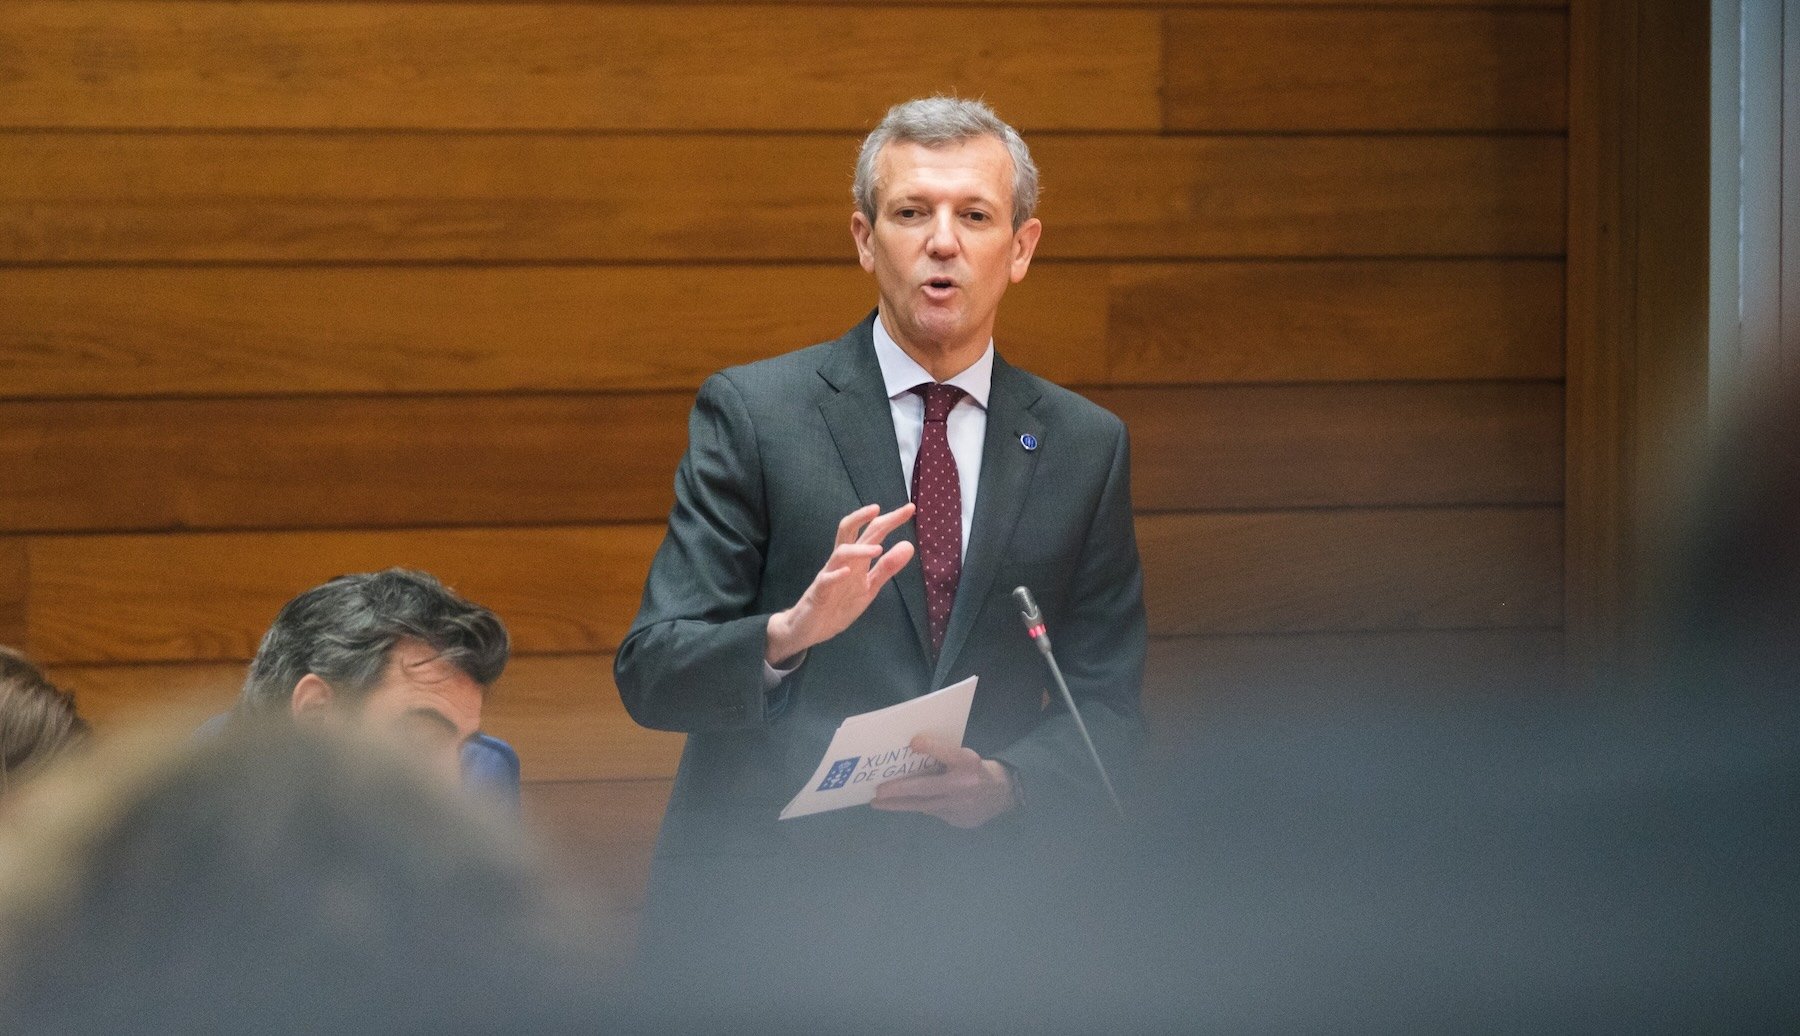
(1036, 631)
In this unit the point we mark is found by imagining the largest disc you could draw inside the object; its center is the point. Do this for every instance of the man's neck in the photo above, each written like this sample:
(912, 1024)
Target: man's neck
(942, 362)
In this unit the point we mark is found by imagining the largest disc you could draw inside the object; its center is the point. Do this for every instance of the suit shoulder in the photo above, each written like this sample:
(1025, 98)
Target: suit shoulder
(777, 374)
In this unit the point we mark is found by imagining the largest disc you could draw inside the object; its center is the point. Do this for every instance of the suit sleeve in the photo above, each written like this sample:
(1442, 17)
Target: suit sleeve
(693, 659)
(1100, 644)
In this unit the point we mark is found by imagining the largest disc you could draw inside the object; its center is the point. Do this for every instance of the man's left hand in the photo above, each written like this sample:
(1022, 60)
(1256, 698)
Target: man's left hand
(968, 793)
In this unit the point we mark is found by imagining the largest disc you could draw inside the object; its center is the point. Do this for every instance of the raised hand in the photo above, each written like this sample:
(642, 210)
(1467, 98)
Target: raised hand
(854, 573)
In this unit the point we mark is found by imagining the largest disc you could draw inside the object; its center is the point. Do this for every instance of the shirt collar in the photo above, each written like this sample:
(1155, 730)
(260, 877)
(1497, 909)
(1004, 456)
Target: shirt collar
(901, 373)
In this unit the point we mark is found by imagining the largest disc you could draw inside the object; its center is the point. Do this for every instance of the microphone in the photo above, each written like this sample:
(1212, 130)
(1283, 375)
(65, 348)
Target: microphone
(1034, 620)
(1034, 628)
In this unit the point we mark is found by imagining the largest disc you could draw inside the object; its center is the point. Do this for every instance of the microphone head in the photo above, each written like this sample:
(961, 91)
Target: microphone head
(1028, 609)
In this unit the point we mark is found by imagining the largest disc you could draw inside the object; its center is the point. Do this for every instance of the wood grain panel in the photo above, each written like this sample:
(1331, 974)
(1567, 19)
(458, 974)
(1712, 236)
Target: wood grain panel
(561, 712)
(1303, 196)
(1342, 445)
(530, 460)
(495, 197)
(129, 331)
(600, 836)
(132, 331)
(15, 580)
(1241, 69)
(340, 462)
(210, 596)
(1333, 321)
(1271, 572)
(115, 697)
(565, 717)
(1047, 3)
(1149, 3)
(563, 66)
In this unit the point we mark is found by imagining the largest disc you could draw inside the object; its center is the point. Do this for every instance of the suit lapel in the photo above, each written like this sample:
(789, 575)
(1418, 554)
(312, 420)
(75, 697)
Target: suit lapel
(862, 427)
(1006, 468)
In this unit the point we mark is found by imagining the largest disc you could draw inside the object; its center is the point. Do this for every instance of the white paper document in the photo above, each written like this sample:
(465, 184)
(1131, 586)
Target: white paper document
(871, 748)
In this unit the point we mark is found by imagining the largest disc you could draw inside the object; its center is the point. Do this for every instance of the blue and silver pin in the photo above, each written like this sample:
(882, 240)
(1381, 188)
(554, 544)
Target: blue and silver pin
(1029, 441)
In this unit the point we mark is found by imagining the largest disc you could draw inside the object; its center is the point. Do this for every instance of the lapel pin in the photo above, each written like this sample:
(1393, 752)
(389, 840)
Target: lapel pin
(1029, 441)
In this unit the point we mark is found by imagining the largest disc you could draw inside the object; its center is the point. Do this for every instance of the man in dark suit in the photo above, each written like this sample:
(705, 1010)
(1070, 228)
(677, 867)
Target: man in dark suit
(783, 598)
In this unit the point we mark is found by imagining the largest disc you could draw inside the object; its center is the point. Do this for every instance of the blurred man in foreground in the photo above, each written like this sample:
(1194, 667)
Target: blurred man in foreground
(279, 878)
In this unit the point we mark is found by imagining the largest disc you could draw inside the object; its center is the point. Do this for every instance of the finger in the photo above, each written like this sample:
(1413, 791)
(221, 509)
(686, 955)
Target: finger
(915, 792)
(951, 754)
(889, 565)
(846, 554)
(850, 523)
(882, 525)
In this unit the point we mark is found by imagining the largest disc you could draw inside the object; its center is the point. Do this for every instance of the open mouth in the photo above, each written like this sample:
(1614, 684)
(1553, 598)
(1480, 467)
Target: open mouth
(938, 285)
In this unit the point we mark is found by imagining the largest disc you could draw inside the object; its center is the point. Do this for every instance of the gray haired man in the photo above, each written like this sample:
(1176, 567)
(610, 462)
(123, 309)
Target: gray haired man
(394, 652)
(786, 595)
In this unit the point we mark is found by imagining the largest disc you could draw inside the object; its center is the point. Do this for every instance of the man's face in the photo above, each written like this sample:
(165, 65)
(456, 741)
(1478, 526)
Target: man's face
(942, 247)
(423, 702)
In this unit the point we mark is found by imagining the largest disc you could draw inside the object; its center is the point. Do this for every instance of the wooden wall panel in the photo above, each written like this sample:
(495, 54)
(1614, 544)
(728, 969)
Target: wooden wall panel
(236, 330)
(600, 835)
(719, 67)
(297, 288)
(564, 66)
(337, 462)
(1342, 445)
(132, 331)
(15, 582)
(1154, 4)
(531, 460)
(1247, 70)
(1333, 321)
(1244, 196)
(211, 595)
(1304, 572)
(561, 712)
(564, 716)
(342, 197)
(115, 696)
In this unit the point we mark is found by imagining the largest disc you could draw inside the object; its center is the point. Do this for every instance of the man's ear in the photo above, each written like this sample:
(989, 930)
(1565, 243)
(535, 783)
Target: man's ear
(312, 698)
(860, 231)
(1025, 242)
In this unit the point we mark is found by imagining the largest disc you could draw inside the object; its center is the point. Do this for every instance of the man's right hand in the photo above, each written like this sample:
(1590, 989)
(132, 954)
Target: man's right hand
(852, 576)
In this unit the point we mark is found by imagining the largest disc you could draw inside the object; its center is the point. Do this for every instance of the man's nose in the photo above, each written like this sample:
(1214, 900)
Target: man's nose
(943, 242)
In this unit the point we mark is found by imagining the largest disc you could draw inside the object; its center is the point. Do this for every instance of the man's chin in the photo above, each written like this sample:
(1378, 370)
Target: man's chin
(940, 327)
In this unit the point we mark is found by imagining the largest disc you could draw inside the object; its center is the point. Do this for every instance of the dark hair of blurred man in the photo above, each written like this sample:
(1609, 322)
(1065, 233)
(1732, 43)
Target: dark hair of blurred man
(394, 652)
(37, 718)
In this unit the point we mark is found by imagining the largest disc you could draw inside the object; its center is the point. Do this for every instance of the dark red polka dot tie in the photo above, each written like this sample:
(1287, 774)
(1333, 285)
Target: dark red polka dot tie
(937, 491)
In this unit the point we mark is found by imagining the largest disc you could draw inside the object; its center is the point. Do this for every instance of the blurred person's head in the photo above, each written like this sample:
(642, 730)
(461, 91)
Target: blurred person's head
(1735, 598)
(37, 718)
(276, 878)
(394, 652)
